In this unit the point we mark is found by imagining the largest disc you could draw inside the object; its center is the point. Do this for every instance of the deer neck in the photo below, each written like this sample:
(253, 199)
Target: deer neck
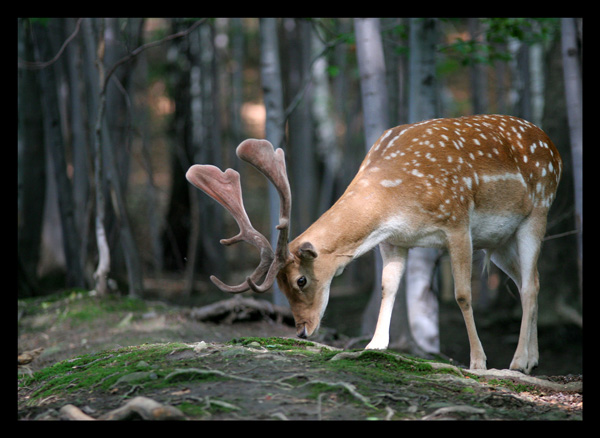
(351, 227)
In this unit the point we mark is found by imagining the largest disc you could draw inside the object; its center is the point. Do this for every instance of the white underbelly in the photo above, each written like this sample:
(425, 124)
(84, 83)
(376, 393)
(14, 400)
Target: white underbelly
(490, 230)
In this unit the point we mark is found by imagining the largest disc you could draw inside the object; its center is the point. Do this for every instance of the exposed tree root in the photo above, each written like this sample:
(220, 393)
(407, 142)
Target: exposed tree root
(137, 408)
(519, 377)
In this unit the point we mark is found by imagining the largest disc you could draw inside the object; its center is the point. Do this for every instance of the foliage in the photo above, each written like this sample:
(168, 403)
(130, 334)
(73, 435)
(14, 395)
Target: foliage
(497, 33)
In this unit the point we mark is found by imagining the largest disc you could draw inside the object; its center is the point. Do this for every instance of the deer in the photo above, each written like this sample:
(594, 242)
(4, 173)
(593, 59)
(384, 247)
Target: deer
(482, 182)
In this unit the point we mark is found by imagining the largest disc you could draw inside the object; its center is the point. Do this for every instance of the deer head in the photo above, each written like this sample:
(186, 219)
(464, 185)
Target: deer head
(292, 267)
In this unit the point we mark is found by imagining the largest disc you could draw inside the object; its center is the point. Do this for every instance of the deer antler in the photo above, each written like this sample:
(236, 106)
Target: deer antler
(271, 163)
(225, 188)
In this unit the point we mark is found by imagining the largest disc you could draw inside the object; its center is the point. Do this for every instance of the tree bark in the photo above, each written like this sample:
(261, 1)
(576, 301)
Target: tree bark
(572, 54)
(55, 143)
(478, 73)
(371, 63)
(103, 268)
(301, 155)
(322, 107)
(274, 129)
(79, 142)
(31, 165)
(423, 102)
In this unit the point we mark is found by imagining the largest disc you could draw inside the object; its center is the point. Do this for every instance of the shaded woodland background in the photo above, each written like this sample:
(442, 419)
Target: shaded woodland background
(113, 111)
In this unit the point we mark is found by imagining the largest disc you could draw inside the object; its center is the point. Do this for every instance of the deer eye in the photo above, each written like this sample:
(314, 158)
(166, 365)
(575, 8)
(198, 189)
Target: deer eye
(301, 282)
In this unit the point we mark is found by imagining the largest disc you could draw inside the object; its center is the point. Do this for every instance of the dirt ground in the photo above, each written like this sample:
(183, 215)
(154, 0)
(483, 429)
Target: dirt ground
(247, 366)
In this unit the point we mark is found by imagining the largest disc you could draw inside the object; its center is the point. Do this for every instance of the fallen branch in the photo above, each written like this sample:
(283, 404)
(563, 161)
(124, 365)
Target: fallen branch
(241, 309)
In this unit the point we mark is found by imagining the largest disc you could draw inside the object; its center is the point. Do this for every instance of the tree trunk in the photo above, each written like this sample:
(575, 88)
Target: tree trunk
(371, 64)
(478, 73)
(572, 54)
(322, 107)
(274, 129)
(212, 148)
(177, 222)
(79, 142)
(103, 268)
(301, 158)
(558, 263)
(347, 108)
(196, 140)
(204, 147)
(31, 165)
(237, 55)
(117, 150)
(55, 143)
(423, 102)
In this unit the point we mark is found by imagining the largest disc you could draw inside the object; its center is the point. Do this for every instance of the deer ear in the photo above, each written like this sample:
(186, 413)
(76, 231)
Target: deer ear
(307, 251)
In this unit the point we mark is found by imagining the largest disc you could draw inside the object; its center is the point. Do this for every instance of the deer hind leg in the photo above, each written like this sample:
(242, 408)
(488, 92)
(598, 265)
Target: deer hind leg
(518, 259)
(461, 256)
(422, 304)
(394, 262)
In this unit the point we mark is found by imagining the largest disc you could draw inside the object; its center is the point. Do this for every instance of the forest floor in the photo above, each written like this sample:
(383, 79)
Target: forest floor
(238, 359)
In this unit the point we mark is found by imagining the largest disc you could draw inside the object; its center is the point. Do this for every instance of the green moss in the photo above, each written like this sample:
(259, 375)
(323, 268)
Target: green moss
(189, 374)
(103, 370)
(516, 387)
(380, 365)
(207, 408)
(96, 308)
(76, 307)
(273, 343)
(193, 410)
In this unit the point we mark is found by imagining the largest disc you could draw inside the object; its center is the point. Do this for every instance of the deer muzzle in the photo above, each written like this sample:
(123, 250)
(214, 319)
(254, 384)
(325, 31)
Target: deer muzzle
(301, 331)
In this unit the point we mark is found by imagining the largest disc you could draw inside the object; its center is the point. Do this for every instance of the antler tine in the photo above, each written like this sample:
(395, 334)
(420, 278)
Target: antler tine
(225, 188)
(271, 163)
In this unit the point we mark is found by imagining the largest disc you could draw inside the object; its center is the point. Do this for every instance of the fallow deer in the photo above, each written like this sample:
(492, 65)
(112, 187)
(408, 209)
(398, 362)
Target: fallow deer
(476, 182)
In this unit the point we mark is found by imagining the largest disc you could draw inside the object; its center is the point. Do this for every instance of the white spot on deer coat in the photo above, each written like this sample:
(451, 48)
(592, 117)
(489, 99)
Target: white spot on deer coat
(390, 183)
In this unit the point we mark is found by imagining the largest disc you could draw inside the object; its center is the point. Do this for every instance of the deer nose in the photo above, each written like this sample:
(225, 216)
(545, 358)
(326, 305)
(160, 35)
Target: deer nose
(302, 333)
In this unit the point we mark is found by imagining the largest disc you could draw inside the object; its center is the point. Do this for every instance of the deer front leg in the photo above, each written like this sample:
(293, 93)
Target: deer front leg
(394, 261)
(461, 255)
